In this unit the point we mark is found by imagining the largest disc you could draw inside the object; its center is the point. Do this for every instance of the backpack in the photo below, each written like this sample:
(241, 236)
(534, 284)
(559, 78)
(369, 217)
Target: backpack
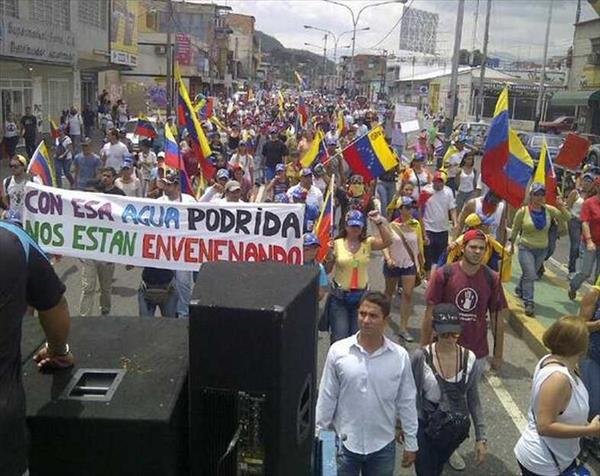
(448, 425)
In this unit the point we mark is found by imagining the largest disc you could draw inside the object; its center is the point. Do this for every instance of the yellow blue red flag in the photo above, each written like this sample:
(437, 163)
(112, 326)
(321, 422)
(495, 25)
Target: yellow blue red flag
(41, 166)
(506, 166)
(544, 174)
(370, 156)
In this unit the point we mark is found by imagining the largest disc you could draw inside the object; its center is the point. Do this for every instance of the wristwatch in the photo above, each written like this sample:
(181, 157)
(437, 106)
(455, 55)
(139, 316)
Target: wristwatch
(61, 352)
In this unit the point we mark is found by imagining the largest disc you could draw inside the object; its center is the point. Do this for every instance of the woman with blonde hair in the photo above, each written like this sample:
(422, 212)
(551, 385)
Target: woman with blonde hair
(558, 414)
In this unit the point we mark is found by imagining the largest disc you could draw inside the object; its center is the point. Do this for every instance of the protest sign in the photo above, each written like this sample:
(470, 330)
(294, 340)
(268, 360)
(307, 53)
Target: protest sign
(161, 234)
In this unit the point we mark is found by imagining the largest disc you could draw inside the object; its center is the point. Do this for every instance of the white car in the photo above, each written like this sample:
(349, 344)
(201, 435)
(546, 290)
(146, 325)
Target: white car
(130, 134)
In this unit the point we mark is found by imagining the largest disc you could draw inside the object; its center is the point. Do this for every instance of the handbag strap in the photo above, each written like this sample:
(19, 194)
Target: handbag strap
(409, 250)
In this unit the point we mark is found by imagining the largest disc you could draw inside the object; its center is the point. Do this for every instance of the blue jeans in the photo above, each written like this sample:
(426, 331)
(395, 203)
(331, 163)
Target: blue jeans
(343, 318)
(63, 167)
(386, 191)
(590, 258)
(574, 242)
(269, 173)
(183, 286)
(380, 463)
(531, 260)
(167, 308)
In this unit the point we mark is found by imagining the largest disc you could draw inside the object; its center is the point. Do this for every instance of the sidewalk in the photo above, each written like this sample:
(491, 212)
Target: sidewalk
(551, 303)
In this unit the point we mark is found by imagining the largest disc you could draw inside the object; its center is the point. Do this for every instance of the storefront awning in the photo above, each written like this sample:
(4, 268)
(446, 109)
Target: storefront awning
(575, 98)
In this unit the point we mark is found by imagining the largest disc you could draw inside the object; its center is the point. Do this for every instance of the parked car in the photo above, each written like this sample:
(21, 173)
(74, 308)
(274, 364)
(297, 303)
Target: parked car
(475, 133)
(558, 125)
(533, 143)
(130, 134)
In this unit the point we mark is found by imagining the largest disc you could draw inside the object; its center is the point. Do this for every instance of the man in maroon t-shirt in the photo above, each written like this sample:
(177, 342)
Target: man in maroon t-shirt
(474, 289)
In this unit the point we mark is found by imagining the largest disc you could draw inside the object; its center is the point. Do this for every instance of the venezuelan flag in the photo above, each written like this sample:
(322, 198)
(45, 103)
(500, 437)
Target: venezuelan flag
(280, 101)
(370, 156)
(188, 118)
(341, 124)
(174, 161)
(53, 129)
(144, 127)
(217, 122)
(506, 166)
(302, 112)
(317, 150)
(41, 166)
(324, 226)
(301, 82)
(544, 174)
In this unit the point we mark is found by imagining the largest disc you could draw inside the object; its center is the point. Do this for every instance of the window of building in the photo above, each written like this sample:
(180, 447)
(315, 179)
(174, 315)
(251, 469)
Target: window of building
(15, 96)
(93, 12)
(9, 8)
(53, 12)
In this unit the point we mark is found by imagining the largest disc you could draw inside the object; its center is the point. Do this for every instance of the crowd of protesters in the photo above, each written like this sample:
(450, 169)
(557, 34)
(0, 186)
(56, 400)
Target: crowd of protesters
(436, 224)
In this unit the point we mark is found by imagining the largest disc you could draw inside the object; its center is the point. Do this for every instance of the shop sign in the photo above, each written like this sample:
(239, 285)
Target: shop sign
(32, 40)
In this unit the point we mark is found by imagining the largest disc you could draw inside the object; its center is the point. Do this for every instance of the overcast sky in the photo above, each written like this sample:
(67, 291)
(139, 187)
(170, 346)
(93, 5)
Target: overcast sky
(517, 26)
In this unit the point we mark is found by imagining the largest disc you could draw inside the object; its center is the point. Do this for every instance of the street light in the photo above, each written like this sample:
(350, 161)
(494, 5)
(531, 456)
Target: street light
(354, 30)
(336, 39)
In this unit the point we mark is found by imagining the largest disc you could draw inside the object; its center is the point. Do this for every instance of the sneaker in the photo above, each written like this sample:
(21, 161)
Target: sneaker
(570, 276)
(529, 309)
(406, 336)
(572, 294)
(518, 293)
(456, 461)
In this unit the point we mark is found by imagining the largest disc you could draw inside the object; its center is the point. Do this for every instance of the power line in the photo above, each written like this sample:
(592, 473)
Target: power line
(404, 10)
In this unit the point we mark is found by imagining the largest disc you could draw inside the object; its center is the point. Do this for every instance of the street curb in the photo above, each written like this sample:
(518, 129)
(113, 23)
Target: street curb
(527, 328)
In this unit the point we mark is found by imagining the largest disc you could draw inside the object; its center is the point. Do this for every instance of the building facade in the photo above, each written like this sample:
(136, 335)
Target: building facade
(242, 44)
(50, 55)
(583, 90)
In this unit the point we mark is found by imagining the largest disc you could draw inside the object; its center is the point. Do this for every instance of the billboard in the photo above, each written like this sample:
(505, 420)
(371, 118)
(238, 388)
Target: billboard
(418, 31)
(124, 32)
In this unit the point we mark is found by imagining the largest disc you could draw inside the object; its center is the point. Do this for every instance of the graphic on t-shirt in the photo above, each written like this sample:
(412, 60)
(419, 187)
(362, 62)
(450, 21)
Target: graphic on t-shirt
(466, 300)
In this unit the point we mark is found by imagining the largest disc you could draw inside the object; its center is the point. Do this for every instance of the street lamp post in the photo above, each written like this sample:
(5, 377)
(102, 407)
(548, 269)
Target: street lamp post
(336, 39)
(354, 30)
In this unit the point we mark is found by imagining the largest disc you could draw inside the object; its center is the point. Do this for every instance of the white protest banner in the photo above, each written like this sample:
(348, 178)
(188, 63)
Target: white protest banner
(161, 234)
(407, 117)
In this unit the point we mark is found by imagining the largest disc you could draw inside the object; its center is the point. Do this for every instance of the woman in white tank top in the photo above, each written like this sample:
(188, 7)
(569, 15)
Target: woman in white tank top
(558, 412)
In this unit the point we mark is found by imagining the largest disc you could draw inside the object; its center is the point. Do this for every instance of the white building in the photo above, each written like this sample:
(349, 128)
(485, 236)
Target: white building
(50, 55)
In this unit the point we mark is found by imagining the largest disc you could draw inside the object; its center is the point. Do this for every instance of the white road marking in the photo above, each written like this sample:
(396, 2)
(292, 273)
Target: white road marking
(507, 401)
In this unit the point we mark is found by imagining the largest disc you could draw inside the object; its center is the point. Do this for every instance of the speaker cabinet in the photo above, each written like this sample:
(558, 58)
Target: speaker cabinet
(122, 410)
(252, 369)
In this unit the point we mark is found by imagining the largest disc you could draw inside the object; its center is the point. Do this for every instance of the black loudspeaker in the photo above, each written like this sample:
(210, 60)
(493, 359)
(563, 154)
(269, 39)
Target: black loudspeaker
(122, 410)
(252, 350)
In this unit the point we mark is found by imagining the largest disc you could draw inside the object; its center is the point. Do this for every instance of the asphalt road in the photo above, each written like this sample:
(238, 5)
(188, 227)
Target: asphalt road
(504, 394)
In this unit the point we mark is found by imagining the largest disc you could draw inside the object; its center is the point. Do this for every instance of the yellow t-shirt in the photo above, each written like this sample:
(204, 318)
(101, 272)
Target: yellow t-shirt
(351, 270)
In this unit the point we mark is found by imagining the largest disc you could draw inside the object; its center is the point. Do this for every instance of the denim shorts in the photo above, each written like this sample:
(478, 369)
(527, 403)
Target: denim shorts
(398, 272)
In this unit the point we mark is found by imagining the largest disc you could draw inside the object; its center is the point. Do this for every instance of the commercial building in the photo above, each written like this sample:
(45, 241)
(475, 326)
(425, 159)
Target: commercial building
(582, 97)
(200, 41)
(50, 55)
(243, 46)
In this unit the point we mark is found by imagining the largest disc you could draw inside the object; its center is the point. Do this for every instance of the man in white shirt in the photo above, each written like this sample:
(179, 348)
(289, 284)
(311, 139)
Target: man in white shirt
(128, 182)
(243, 159)
(437, 202)
(215, 192)
(113, 153)
(367, 386)
(183, 279)
(314, 196)
(75, 123)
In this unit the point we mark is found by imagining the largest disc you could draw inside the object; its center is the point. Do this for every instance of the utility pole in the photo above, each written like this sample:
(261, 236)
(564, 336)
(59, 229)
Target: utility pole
(538, 105)
(169, 58)
(324, 61)
(474, 35)
(455, 60)
(486, 38)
